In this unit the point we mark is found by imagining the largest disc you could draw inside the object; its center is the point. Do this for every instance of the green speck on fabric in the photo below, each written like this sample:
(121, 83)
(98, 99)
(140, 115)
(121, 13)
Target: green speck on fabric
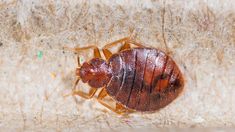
(39, 54)
(81, 60)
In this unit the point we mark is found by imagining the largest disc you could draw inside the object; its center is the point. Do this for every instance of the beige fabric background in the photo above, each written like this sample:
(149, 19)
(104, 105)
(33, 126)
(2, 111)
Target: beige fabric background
(199, 34)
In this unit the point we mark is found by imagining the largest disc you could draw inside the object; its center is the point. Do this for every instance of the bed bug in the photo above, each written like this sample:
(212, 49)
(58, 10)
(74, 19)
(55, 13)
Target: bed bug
(137, 79)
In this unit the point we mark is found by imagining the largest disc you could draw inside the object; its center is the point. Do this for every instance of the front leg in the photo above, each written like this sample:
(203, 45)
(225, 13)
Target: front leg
(76, 91)
(96, 51)
(80, 93)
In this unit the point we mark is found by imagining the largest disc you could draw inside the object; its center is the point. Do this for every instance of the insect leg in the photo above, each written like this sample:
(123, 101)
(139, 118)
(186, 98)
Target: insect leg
(128, 43)
(78, 61)
(89, 95)
(135, 43)
(83, 94)
(80, 49)
(119, 109)
(96, 53)
(107, 52)
(125, 46)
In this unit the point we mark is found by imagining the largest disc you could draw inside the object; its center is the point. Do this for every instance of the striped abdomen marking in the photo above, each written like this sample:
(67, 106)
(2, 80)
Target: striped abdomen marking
(141, 56)
(128, 63)
(144, 79)
(143, 99)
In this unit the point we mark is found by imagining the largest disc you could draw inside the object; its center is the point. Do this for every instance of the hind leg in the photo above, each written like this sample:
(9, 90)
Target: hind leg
(118, 108)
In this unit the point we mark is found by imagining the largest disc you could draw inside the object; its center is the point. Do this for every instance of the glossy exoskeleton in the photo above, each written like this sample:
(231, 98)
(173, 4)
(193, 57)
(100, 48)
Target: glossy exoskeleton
(138, 79)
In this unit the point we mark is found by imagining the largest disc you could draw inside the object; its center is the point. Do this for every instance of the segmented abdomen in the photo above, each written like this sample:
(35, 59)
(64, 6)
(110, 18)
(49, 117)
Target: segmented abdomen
(144, 79)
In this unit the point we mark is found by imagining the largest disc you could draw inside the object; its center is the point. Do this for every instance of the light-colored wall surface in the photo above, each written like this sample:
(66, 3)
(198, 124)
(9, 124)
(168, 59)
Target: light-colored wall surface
(199, 34)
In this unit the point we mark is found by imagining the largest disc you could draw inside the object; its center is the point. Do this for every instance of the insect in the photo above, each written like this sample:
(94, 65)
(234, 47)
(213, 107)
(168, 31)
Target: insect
(137, 79)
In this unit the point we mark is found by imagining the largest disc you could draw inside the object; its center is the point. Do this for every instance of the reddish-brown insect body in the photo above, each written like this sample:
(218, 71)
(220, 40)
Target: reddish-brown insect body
(142, 79)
